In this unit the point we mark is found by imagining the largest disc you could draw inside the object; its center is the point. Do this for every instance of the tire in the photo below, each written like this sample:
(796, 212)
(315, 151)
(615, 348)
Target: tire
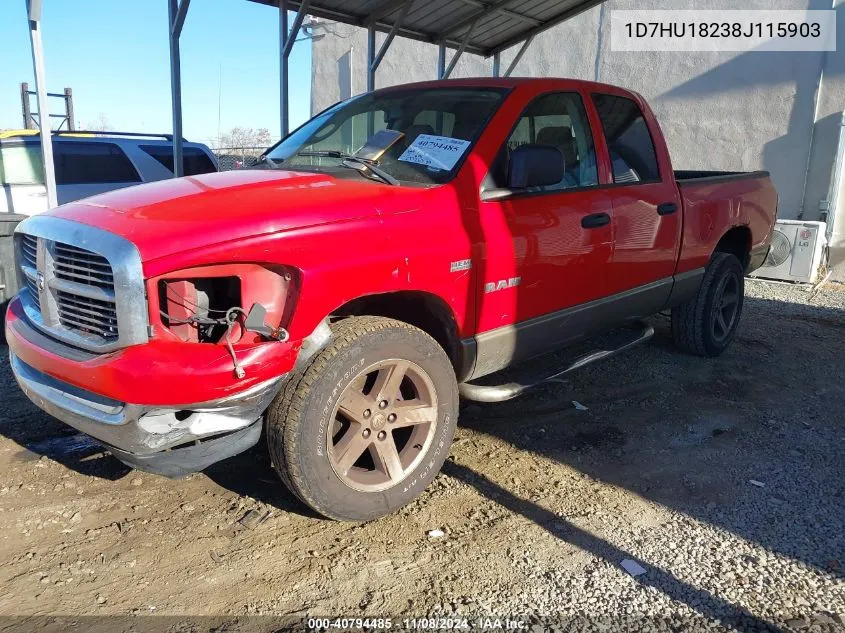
(696, 324)
(315, 425)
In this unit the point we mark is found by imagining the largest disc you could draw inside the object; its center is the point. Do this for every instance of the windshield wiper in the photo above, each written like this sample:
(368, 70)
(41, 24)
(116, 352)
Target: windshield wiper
(364, 166)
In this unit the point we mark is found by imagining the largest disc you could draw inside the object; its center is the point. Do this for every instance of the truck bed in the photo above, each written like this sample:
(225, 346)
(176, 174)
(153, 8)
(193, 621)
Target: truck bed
(715, 202)
(702, 177)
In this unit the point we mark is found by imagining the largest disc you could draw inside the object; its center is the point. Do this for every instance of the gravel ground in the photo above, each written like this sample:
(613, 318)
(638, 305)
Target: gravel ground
(722, 479)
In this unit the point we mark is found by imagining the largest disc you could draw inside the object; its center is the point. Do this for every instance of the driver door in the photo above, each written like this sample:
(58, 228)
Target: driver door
(547, 249)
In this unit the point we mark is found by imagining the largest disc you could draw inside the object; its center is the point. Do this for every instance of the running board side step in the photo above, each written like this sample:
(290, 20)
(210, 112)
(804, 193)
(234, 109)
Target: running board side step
(508, 391)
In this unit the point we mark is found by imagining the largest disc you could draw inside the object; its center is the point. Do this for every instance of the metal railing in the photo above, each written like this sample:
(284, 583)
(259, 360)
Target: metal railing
(229, 158)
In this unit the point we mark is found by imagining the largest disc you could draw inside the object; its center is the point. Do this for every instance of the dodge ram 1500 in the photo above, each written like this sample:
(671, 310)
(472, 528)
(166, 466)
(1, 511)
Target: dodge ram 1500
(390, 251)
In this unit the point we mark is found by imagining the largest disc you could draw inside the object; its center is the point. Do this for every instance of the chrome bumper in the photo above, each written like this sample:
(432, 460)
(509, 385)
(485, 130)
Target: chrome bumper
(137, 429)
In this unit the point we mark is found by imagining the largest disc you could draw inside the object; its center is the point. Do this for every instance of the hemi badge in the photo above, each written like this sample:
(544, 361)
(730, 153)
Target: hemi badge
(461, 264)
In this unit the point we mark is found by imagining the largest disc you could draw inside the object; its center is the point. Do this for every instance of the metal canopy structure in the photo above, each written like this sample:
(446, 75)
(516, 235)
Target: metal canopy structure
(481, 27)
(484, 27)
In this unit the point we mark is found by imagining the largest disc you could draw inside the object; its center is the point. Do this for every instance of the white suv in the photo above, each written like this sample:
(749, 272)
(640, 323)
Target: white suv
(88, 163)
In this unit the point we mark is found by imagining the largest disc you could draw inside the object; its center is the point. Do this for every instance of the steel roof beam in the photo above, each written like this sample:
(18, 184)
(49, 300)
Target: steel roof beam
(518, 57)
(461, 48)
(294, 29)
(508, 12)
(380, 25)
(375, 59)
(383, 10)
(563, 17)
(472, 19)
(378, 17)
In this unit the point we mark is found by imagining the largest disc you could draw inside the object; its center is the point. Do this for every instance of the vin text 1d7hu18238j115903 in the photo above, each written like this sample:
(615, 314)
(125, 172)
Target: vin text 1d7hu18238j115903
(344, 294)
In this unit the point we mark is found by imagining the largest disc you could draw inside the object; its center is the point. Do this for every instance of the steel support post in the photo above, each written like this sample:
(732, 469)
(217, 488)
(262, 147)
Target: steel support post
(33, 11)
(441, 61)
(176, 12)
(69, 109)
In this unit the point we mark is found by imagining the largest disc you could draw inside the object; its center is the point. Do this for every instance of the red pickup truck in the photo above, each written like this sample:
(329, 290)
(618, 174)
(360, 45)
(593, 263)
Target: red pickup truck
(383, 256)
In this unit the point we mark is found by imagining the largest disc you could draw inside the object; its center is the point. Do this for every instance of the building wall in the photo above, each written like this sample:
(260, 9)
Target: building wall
(735, 111)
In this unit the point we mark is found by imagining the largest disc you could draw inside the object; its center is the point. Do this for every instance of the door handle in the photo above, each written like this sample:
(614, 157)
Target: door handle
(667, 208)
(595, 220)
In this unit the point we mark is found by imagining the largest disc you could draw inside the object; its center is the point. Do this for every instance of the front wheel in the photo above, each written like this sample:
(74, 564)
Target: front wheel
(706, 324)
(367, 425)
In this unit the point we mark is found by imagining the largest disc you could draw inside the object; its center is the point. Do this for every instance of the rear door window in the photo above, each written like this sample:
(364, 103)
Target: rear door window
(88, 163)
(194, 160)
(629, 141)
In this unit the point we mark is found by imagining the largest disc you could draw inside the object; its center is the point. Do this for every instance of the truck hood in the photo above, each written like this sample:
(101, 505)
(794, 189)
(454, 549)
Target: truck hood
(181, 214)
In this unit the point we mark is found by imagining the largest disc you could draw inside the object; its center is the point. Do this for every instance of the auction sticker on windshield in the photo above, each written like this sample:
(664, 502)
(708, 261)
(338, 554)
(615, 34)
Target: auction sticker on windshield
(439, 152)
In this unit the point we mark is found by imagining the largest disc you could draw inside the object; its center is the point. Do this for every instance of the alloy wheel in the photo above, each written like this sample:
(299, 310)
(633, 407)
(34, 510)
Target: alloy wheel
(725, 307)
(382, 425)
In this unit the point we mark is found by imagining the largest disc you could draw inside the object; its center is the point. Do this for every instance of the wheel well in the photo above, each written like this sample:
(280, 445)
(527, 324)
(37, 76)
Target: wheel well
(423, 310)
(737, 242)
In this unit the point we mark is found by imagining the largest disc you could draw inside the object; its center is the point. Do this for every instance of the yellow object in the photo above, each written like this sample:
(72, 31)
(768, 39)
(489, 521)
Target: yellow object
(17, 133)
(14, 133)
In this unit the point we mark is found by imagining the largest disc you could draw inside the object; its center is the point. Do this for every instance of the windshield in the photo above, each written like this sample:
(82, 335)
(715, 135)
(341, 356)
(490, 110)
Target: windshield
(439, 126)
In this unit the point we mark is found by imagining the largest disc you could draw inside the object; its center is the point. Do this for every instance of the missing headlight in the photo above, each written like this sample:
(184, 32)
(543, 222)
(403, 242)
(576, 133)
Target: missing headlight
(193, 309)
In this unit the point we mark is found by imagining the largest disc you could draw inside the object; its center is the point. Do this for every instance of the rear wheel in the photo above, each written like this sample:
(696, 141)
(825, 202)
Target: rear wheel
(706, 324)
(368, 424)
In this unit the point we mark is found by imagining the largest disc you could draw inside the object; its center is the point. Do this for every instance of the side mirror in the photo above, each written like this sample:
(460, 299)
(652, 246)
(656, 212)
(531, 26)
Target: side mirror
(535, 166)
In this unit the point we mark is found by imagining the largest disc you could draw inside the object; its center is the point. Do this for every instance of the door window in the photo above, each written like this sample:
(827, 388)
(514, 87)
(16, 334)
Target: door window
(628, 140)
(556, 120)
(194, 160)
(83, 163)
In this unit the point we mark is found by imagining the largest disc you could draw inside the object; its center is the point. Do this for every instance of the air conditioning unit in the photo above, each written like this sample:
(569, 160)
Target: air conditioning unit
(796, 252)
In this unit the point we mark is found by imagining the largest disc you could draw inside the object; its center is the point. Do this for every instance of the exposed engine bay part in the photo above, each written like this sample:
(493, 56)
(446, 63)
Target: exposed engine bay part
(191, 309)
(191, 305)
(194, 309)
(255, 323)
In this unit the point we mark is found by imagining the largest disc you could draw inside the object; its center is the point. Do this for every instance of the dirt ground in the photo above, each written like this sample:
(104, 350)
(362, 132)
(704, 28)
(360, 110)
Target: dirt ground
(723, 479)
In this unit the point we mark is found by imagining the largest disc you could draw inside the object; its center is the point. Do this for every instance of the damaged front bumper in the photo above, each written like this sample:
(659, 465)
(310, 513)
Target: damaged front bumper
(171, 441)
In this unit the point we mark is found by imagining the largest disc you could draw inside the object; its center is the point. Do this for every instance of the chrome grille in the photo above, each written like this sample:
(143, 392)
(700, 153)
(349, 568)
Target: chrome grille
(81, 266)
(29, 254)
(33, 292)
(88, 315)
(76, 307)
(29, 244)
(81, 285)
